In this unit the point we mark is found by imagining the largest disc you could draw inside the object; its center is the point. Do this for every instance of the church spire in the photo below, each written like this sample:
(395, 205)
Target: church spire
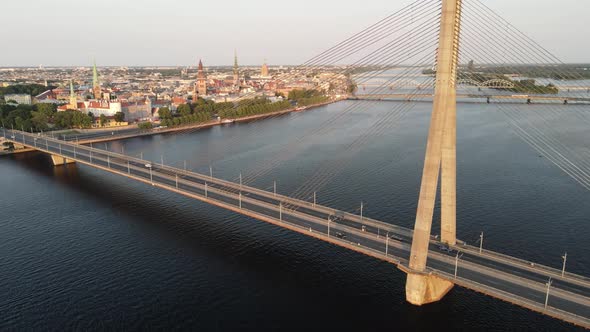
(95, 83)
(200, 84)
(73, 99)
(235, 61)
(264, 70)
(94, 74)
(236, 69)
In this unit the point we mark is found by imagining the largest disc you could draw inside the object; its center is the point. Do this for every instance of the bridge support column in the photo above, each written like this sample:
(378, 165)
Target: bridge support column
(59, 160)
(423, 288)
(448, 186)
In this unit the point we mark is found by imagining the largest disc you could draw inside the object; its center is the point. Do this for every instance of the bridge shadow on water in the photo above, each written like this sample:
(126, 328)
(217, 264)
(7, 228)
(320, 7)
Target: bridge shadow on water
(291, 282)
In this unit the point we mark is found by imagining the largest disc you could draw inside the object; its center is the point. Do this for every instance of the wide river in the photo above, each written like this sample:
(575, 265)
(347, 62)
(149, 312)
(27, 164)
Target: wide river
(82, 249)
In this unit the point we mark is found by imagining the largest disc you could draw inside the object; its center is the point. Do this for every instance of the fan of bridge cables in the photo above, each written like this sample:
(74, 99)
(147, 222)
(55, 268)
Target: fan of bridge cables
(551, 130)
(399, 48)
(488, 39)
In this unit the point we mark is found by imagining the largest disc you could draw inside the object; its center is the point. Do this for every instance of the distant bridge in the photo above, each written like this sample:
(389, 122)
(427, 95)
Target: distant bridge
(488, 97)
(490, 84)
(411, 83)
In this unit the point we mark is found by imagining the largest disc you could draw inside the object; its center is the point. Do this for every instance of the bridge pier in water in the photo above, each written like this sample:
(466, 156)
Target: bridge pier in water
(59, 160)
(425, 288)
(440, 160)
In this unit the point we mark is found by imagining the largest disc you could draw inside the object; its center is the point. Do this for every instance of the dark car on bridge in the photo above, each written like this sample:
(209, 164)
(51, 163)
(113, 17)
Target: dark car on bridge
(443, 247)
(337, 216)
(341, 235)
(396, 237)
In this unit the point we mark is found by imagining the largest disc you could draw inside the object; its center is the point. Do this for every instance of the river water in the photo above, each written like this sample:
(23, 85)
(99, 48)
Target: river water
(82, 249)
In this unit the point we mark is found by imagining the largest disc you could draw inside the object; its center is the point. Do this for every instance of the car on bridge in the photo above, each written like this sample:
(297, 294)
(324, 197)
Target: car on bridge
(444, 248)
(337, 216)
(340, 235)
(148, 165)
(396, 237)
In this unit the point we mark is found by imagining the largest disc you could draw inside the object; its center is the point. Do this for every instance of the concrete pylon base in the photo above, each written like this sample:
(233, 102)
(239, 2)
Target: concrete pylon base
(59, 160)
(423, 288)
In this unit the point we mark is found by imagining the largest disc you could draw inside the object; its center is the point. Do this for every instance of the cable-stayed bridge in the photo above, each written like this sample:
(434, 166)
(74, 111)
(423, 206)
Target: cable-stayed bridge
(504, 277)
(445, 37)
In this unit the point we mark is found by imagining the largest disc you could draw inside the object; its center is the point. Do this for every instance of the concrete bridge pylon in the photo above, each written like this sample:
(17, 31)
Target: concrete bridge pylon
(440, 161)
(60, 161)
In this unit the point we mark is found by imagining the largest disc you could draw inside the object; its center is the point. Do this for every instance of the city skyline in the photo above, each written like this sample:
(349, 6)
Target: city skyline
(145, 34)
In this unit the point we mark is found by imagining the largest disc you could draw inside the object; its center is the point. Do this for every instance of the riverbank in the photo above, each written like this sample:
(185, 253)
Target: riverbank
(206, 124)
(115, 137)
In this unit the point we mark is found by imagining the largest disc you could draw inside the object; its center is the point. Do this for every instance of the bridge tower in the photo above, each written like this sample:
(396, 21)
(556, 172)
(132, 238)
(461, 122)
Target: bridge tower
(440, 160)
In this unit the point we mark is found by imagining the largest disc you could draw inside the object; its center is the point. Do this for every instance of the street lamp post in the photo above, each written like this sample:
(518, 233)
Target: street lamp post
(564, 257)
(314, 198)
(211, 172)
(547, 295)
(480, 242)
(281, 211)
(274, 187)
(328, 226)
(386, 244)
(457, 263)
(361, 212)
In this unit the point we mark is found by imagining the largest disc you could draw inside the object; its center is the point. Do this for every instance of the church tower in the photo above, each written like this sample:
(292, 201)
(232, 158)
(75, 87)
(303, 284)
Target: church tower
(95, 84)
(236, 70)
(264, 70)
(73, 100)
(201, 81)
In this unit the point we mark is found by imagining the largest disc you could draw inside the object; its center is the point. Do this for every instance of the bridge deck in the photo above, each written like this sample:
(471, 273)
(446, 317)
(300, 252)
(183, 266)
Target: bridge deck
(501, 276)
(518, 97)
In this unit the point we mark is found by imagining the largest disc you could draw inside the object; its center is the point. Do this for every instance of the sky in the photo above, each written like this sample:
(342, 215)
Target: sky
(179, 32)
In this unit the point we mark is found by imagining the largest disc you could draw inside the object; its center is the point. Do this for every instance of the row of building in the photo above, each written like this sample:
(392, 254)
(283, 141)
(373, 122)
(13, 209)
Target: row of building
(139, 93)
